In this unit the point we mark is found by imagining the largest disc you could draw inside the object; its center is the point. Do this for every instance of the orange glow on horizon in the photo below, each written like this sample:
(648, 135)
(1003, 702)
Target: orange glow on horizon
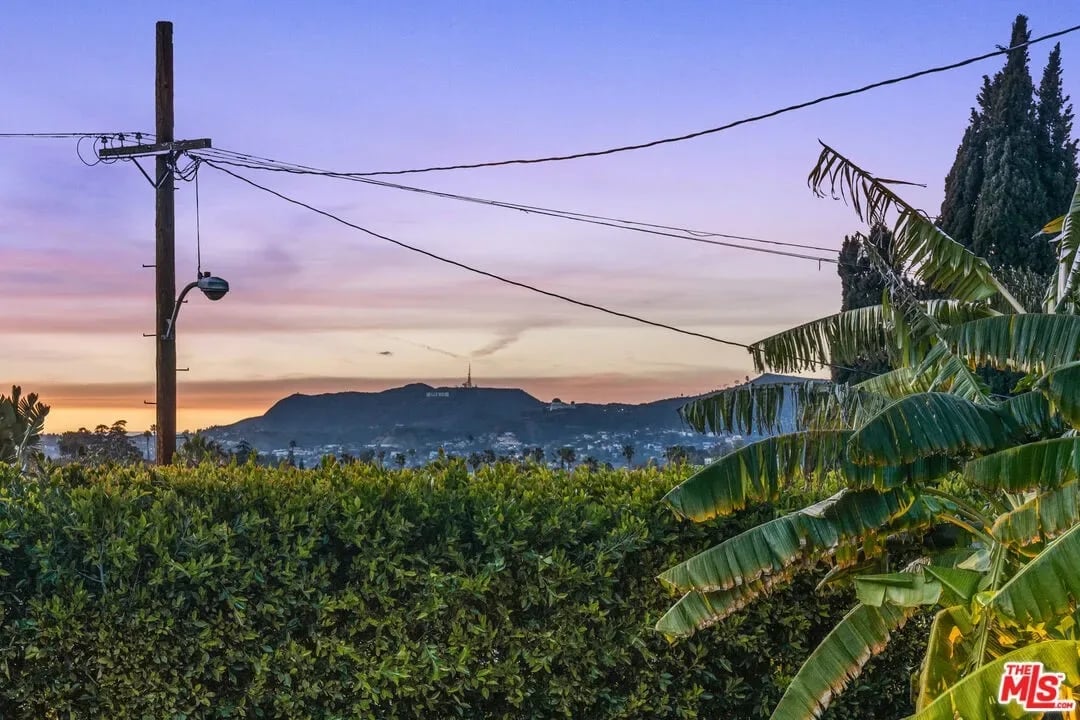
(209, 403)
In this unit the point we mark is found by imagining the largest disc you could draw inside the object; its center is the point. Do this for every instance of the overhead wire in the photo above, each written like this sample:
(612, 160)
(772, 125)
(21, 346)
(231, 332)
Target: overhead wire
(234, 159)
(494, 276)
(259, 163)
(104, 138)
(78, 152)
(72, 135)
(733, 124)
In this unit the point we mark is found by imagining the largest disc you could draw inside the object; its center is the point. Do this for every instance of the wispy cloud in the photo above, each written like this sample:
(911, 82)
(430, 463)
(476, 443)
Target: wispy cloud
(510, 334)
(425, 346)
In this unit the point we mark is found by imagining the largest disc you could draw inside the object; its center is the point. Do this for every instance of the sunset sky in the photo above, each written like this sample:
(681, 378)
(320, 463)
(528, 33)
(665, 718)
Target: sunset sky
(360, 86)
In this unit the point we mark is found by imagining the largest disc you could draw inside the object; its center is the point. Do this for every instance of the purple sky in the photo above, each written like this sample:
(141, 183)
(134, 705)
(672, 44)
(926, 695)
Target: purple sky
(315, 307)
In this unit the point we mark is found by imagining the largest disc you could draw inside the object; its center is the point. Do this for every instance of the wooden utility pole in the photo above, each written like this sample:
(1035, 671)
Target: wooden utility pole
(165, 263)
(166, 151)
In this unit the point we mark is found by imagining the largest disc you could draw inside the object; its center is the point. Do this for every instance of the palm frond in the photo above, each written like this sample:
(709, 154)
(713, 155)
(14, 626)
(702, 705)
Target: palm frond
(925, 585)
(1068, 243)
(754, 409)
(32, 414)
(903, 589)
(972, 697)
(1046, 588)
(697, 610)
(945, 653)
(919, 247)
(813, 532)
(1053, 227)
(1041, 518)
(1033, 415)
(760, 471)
(841, 407)
(841, 338)
(22, 421)
(923, 513)
(944, 371)
(1062, 386)
(757, 472)
(957, 584)
(896, 384)
(776, 408)
(863, 633)
(1046, 463)
(845, 337)
(1031, 342)
(931, 424)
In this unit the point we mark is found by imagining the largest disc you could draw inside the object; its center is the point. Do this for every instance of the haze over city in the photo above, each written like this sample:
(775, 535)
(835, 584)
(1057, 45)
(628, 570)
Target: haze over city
(317, 307)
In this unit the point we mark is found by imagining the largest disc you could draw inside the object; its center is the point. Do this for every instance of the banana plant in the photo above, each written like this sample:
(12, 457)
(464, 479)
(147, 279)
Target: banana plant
(905, 453)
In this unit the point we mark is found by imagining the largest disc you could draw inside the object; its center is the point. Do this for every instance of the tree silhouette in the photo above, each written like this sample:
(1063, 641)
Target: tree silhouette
(677, 454)
(567, 456)
(628, 453)
(199, 448)
(105, 444)
(245, 452)
(399, 460)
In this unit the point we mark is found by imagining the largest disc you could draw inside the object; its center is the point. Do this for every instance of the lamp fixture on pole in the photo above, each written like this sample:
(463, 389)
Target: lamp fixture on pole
(212, 287)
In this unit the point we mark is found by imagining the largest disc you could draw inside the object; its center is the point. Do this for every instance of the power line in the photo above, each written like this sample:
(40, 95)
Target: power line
(255, 162)
(72, 136)
(698, 236)
(470, 268)
(96, 137)
(736, 123)
(494, 276)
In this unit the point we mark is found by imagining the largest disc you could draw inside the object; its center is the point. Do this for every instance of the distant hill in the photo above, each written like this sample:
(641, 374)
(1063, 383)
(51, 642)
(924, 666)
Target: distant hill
(419, 415)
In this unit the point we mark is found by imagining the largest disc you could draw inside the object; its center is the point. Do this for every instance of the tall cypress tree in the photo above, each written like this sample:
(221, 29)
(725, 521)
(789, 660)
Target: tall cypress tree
(861, 285)
(1009, 209)
(965, 179)
(1057, 149)
(1015, 169)
(860, 282)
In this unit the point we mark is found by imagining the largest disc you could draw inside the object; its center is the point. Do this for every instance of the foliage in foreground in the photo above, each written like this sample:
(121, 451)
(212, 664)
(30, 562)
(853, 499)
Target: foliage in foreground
(22, 420)
(898, 442)
(356, 592)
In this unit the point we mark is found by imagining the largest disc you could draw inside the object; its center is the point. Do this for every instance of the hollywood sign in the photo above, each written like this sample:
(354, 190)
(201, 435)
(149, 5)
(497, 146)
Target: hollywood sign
(438, 394)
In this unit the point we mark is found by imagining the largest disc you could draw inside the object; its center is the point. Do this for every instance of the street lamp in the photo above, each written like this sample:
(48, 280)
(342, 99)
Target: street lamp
(212, 287)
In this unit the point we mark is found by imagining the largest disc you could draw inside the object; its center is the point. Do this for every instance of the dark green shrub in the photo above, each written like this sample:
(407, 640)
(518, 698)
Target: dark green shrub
(354, 592)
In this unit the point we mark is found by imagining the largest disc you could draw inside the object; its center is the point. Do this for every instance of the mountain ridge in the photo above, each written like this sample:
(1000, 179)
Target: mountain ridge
(417, 414)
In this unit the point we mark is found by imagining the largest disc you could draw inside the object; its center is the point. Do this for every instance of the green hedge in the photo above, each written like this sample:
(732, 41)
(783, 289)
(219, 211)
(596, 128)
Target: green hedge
(352, 592)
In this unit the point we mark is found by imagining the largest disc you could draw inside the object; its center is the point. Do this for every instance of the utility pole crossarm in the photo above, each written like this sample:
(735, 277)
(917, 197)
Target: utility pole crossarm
(161, 148)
